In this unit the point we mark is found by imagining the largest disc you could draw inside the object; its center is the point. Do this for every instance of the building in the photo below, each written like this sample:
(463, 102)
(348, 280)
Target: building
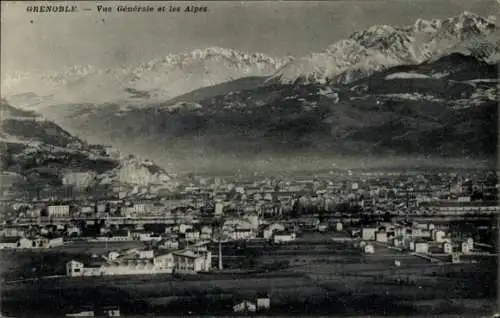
(58, 210)
(245, 306)
(242, 234)
(142, 235)
(283, 237)
(191, 262)
(169, 244)
(263, 302)
(206, 232)
(447, 248)
(438, 236)
(13, 231)
(269, 230)
(164, 262)
(456, 207)
(101, 312)
(192, 235)
(381, 237)
(39, 242)
(184, 227)
(369, 249)
(219, 208)
(131, 262)
(397, 242)
(466, 249)
(470, 241)
(421, 247)
(339, 226)
(8, 242)
(113, 236)
(73, 231)
(368, 233)
(323, 227)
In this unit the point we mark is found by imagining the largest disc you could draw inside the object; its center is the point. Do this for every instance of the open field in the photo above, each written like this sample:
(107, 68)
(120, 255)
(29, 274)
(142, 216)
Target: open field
(18, 264)
(319, 277)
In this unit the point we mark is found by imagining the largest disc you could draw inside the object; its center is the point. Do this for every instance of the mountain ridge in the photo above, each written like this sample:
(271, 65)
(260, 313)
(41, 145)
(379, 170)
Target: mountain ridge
(405, 110)
(384, 46)
(163, 78)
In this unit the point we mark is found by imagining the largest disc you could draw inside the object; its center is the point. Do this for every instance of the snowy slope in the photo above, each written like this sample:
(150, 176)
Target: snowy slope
(382, 46)
(159, 79)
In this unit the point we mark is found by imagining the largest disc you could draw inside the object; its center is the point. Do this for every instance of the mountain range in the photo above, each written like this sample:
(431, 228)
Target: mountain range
(426, 89)
(158, 79)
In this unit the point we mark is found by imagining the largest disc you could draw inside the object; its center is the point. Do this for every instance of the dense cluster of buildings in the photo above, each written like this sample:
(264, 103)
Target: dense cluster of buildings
(414, 237)
(272, 209)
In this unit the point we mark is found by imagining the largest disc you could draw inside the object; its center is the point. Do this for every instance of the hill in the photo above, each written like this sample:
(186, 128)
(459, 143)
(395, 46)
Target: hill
(36, 153)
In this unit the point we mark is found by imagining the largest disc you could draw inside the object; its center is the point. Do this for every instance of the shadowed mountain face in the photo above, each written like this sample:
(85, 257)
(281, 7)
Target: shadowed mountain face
(445, 108)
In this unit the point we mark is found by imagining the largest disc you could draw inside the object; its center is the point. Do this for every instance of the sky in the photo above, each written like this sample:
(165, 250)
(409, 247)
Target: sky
(51, 42)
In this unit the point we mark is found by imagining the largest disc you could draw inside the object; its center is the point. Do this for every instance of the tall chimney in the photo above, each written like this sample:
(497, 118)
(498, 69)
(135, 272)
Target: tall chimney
(220, 247)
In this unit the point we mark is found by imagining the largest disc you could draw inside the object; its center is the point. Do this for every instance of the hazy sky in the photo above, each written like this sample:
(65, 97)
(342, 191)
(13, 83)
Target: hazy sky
(52, 41)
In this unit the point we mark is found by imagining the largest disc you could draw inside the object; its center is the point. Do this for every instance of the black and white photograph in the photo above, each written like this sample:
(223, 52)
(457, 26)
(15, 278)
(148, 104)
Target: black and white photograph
(249, 158)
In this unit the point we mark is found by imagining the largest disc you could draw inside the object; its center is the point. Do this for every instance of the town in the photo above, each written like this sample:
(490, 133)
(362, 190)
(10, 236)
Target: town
(338, 223)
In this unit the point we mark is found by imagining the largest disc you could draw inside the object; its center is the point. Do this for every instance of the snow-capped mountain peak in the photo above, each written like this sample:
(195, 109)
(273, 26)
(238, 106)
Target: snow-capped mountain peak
(168, 76)
(382, 46)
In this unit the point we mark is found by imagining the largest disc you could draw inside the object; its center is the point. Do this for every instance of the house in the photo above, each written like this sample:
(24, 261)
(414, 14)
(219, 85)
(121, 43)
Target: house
(190, 262)
(192, 235)
(470, 241)
(263, 301)
(323, 227)
(184, 227)
(447, 248)
(219, 208)
(369, 249)
(164, 261)
(13, 231)
(169, 244)
(134, 262)
(466, 249)
(268, 230)
(242, 234)
(87, 210)
(368, 233)
(311, 223)
(283, 237)
(438, 236)
(113, 255)
(113, 236)
(73, 231)
(421, 247)
(381, 237)
(237, 223)
(245, 306)
(39, 242)
(206, 232)
(338, 226)
(110, 311)
(397, 242)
